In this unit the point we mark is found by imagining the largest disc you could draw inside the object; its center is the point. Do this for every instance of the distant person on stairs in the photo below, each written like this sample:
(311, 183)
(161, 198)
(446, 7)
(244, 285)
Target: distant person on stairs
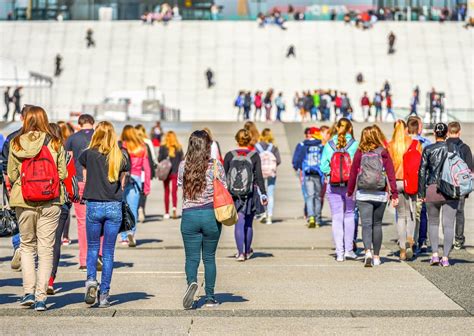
(90, 38)
(210, 78)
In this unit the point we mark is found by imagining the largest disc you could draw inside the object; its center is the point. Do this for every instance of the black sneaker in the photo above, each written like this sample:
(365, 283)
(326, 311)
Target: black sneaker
(188, 298)
(458, 245)
(91, 291)
(211, 302)
(28, 300)
(40, 306)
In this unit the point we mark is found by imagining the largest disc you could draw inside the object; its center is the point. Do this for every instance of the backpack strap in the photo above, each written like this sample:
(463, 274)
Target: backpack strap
(270, 147)
(259, 148)
(332, 145)
(349, 144)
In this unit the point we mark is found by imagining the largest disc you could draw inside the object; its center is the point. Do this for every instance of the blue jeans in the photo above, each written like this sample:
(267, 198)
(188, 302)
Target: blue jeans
(102, 218)
(131, 195)
(313, 200)
(16, 241)
(270, 181)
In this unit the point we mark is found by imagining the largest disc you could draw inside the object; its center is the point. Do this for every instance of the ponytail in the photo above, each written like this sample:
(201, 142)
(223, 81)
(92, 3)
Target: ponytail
(343, 127)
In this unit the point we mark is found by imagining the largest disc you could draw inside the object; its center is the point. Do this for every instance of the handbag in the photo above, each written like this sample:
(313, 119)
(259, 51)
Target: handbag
(224, 207)
(128, 219)
(8, 222)
(164, 169)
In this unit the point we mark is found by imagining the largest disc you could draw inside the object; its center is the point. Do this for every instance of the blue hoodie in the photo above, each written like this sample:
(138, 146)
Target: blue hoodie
(300, 152)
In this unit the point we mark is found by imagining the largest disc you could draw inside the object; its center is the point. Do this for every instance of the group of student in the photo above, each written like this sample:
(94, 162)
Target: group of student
(418, 178)
(48, 168)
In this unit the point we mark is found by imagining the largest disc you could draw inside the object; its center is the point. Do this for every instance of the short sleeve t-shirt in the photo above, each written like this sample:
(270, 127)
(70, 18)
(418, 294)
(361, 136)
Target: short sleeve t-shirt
(77, 143)
(98, 187)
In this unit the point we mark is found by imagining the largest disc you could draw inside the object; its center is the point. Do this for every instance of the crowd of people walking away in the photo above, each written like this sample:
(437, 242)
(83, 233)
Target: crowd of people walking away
(376, 105)
(48, 168)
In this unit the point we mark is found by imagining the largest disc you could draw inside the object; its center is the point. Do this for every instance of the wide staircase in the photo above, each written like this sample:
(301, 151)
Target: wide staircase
(131, 56)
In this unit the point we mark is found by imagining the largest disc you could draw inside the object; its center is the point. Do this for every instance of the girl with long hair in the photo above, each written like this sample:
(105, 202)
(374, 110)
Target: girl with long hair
(372, 197)
(437, 203)
(342, 206)
(248, 199)
(152, 162)
(254, 133)
(171, 149)
(267, 103)
(103, 163)
(405, 214)
(270, 157)
(199, 228)
(138, 154)
(37, 221)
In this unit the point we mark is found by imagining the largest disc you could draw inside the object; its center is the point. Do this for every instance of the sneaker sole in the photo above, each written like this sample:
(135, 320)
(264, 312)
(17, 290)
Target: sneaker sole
(40, 309)
(16, 261)
(368, 262)
(50, 291)
(409, 253)
(91, 294)
(188, 298)
(131, 240)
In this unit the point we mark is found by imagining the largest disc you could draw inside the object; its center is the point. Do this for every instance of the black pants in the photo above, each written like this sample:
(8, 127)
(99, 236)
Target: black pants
(63, 217)
(460, 222)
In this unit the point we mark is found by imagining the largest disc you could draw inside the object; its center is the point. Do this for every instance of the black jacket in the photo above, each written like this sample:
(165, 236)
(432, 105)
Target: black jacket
(463, 150)
(431, 164)
(6, 150)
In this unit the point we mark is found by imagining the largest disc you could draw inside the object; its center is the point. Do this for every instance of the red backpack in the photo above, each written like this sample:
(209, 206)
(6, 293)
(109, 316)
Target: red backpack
(340, 165)
(70, 183)
(40, 177)
(411, 167)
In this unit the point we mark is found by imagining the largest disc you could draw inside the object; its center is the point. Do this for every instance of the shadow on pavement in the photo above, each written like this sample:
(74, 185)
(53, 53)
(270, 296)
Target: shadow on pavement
(61, 301)
(223, 298)
(153, 218)
(148, 241)
(9, 298)
(129, 297)
(119, 264)
(262, 255)
(2, 259)
(63, 287)
(14, 282)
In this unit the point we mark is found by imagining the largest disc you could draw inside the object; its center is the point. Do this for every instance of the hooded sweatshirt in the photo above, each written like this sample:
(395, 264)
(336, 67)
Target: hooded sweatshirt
(31, 144)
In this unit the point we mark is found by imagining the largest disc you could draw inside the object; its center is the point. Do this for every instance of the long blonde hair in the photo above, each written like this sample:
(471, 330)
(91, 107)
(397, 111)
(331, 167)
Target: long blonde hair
(141, 131)
(133, 142)
(398, 145)
(105, 141)
(171, 142)
(343, 127)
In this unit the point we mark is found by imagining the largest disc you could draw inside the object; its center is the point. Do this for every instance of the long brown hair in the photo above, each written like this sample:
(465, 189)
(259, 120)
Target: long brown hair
(36, 120)
(254, 133)
(370, 139)
(133, 142)
(56, 130)
(343, 127)
(196, 164)
(66, 130)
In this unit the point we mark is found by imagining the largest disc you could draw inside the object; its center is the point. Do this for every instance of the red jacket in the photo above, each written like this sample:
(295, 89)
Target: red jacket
(389, 170)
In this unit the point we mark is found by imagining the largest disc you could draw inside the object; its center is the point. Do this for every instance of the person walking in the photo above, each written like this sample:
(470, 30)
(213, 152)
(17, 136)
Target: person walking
(388, 104)
(171, 150)
(245, 182)
(7, 100)
(153, 164)
(336, 161)
(104, 165)
(405, 213)
(155, 135)
(199, 228)
(254, 134)
(17, 101)
(291, 52)
(139, 163)
(76, 144)
(454, 141)
(307, 162)
(267, 103)
(365, 104)
(377, 102)
(239, 103)
(210, 78)
(247, 105)
(36, 204)
(258, 102)
(371, 168)
(436, 203)
(270, 159)
(391, 43)
(90, 38)
(280, 105)
(58, 65)
(71, 195)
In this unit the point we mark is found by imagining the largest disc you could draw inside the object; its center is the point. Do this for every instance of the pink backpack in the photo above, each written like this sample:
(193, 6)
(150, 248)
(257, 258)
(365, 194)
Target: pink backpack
(268, 160)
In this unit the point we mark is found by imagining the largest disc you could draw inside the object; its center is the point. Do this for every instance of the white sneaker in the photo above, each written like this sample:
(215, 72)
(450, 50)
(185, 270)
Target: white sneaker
(368, 259)
(166, 216)
(350, 255)
(376, 261)
(268, 220)
(141, 215)
(340, 258)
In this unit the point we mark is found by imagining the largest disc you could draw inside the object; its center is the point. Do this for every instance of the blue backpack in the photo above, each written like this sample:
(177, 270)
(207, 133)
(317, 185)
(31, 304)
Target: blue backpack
(312, 160)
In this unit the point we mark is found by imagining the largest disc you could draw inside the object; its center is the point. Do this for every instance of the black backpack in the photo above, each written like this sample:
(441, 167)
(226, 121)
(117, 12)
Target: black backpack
(240, 175)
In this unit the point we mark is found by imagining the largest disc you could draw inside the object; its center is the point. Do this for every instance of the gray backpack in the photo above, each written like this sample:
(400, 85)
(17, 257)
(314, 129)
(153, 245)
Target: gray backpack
(372, 176)
(240, 175)
(456, 179)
